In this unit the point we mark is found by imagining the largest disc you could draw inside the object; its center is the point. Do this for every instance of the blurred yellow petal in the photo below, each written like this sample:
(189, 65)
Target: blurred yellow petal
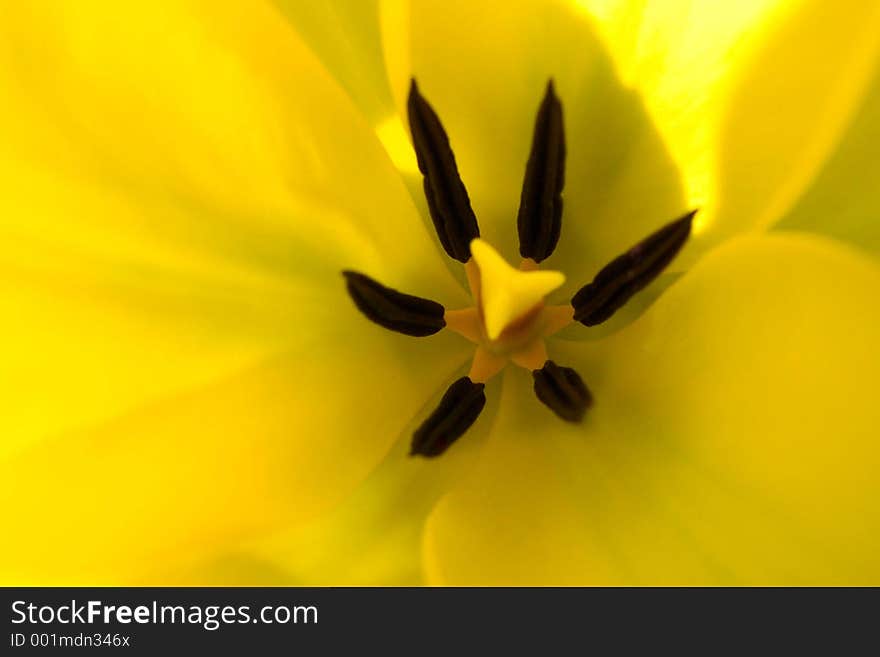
(171, 204)
(373, 538)
(788, 108)
(184, 479)
(844, 199)
(485, 70)
(202, 105)
(733, 440)
(174, 210)
(679, 55)
(749, 96)
(346, 35)
(87, 338)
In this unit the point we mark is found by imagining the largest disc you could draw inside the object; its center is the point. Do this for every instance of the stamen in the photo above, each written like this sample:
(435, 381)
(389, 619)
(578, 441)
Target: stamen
(563, 391)
(540, 208)
(458, 410)
(619, 280)
(394, 310)
(447, 197)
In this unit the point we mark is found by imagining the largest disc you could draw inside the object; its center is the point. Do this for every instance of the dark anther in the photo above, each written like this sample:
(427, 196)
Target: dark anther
(540, 207)
(627, 274)
(394, 310)
(458, 410)
(447, 197)
(563, 391)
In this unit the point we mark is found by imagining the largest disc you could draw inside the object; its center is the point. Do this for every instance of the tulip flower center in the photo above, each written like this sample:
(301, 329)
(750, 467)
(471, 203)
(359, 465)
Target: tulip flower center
(507, 295)
(509, 319)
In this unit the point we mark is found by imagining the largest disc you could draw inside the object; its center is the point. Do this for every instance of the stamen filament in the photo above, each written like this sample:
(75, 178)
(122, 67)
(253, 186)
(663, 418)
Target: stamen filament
(532, 357)
(466, 322)
(557, 318)
(486, 365)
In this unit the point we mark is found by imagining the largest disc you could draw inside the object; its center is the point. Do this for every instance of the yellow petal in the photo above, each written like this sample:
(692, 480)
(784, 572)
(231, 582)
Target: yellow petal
(177, 198)
(732, 440)
(485, 72)
(373, 538)
(84, 338)
(844, 200)
(346, 36)
(216, 107)
(186, 479)
(508, 293)
(680, 55)
(749, 96)
(788, 109)
(176, 188)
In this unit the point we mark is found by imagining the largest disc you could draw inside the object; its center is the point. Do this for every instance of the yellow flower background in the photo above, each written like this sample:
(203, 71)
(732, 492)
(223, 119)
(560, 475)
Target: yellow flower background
(190, 397)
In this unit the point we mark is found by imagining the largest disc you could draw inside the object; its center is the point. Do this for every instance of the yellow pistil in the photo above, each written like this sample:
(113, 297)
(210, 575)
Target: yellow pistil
(508, 293)
(509, 320)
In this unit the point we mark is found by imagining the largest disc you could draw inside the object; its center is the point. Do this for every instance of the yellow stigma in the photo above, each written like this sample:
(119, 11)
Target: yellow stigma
(506, 292)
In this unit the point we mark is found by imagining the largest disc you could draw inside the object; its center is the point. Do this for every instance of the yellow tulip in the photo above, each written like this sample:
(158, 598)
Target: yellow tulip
(189, 395)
